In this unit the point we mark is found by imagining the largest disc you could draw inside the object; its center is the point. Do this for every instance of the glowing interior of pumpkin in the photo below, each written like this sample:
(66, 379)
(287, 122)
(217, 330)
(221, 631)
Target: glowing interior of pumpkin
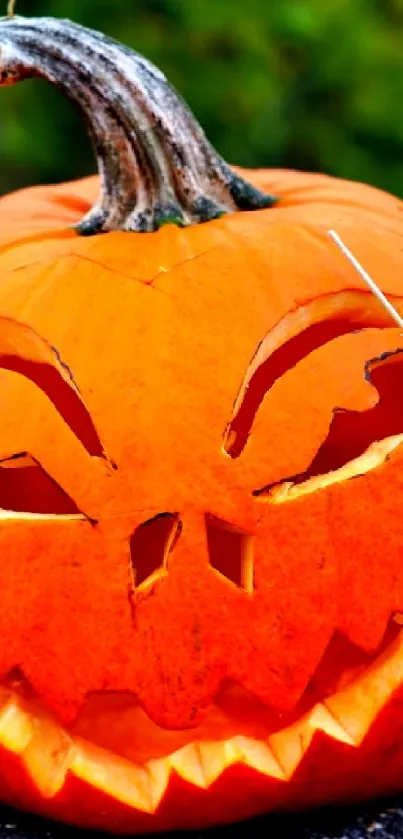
(116, 748)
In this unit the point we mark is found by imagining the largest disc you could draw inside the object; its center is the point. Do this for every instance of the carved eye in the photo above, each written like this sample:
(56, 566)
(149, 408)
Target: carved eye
(356, 440)
(25, 486)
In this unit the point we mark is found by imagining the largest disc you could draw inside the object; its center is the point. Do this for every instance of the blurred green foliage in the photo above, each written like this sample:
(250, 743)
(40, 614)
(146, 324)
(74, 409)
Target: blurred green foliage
(312, 84)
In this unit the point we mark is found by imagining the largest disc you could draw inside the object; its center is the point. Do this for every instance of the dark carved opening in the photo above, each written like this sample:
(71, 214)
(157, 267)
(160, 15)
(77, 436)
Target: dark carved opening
(230, 552)
(150, 545)
(352, 432)
(25, 487)
(62, 393)
(282, 360)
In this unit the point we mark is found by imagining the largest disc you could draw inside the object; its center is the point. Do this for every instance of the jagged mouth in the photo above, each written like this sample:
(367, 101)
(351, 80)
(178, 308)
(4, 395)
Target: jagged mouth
(116, 748)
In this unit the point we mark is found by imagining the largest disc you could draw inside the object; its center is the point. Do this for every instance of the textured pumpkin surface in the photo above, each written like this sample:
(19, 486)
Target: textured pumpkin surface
(195, 627)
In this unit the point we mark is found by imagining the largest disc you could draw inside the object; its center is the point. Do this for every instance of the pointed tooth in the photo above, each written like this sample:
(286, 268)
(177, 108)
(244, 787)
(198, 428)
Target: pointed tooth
(290, 745)
(116, 776)
(355, 714)
(232, 752)
(215, 757)
(357, 705)
(322, 719)
(16, 726)
(259, 756)
(187, 764)
(48, 756)
(159, 773)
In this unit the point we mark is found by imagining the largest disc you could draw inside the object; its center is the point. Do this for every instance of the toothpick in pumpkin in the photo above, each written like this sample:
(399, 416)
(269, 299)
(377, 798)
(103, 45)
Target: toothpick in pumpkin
(367, 279)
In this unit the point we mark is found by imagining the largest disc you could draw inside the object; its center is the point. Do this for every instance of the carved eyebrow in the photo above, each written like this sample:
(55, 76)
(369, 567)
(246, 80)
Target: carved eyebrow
(24, 351)
(303, 330)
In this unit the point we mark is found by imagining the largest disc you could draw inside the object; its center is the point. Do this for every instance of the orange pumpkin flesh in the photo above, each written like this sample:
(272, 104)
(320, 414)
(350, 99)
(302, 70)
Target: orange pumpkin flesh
(180, 647)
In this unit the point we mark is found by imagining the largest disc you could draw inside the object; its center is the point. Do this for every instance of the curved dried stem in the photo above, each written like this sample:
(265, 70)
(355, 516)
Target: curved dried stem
(155, 163)
(11, 8)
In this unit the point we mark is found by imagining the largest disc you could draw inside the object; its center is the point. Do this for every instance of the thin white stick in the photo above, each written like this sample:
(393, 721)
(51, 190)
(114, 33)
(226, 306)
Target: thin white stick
(367, 279)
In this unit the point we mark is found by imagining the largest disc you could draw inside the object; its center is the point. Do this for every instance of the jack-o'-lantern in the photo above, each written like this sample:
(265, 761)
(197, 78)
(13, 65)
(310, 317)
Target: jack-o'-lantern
(200, 471)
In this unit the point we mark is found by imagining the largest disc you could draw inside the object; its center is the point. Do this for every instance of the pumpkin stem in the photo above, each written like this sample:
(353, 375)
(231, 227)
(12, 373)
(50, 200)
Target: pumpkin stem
(155, 163)
(11, 8)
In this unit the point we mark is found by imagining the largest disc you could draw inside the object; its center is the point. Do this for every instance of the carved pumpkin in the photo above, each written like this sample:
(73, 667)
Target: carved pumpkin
(199, 605)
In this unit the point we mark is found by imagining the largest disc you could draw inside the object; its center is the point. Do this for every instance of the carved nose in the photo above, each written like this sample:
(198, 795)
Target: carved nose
(152, 547)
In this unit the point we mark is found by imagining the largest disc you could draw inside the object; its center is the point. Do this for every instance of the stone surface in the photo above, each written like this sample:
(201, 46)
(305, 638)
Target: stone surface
(377, 820)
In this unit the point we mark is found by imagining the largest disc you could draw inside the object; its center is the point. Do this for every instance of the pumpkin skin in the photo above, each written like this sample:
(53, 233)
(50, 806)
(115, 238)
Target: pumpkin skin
(183, 643)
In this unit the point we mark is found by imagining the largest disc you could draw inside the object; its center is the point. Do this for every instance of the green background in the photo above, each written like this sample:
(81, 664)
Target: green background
(310, 84)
